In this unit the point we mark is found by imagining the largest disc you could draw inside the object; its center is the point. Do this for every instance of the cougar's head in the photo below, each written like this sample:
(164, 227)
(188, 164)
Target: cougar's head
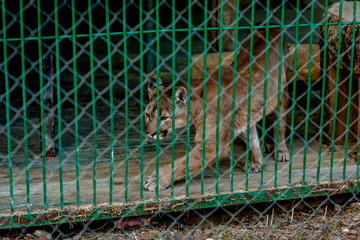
(165, 107)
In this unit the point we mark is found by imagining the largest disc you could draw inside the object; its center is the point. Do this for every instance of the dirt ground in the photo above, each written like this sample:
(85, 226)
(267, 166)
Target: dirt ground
(336, 217)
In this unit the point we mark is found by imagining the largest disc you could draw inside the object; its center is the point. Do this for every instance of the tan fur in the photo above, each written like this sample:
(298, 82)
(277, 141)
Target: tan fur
(226, 96)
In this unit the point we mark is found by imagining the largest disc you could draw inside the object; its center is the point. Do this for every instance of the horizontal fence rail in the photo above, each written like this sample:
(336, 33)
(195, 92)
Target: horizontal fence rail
(116, 109)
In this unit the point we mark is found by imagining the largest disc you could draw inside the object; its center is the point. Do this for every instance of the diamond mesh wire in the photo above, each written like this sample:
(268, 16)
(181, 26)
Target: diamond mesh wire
(102, 63)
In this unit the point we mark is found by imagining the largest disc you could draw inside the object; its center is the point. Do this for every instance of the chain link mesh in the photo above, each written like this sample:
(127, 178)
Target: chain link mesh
(103, 56)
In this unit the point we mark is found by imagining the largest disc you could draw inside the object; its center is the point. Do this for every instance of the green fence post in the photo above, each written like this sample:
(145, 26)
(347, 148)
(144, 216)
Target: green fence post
(350, 90)
(322, 91)
(279, 90)
(263, 132)
(219, 95)
(308, 91)
(249, 95)
(111, 98)
(126, 103)
(204, 98)
(7, 92)
(173, 42)
(157, 99)
(93, 100)
(57, 63)
(293, 102)
(141, 43)
(47, 75)
(77, 164)
(336, 91)
(234, 97)
(188, 98)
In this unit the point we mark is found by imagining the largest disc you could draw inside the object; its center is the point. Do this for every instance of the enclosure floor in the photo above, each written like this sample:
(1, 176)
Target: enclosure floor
(134, 186)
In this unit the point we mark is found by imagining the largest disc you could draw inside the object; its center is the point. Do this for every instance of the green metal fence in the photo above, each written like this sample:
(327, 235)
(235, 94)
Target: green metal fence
(74, 92)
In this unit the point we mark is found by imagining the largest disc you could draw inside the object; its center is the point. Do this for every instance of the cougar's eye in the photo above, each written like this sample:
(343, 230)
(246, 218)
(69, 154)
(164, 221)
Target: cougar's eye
(163, 118)
(147, 115)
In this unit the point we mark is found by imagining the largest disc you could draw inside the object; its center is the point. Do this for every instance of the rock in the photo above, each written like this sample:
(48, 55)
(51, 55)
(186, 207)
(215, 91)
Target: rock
(307, 227)
(174, 234)
(320, 211)
(29, 237)
(260, 224)
(198, 233)
(77, 237)
(355, 205)
(317, 225)
(42, 235)
(337, 238)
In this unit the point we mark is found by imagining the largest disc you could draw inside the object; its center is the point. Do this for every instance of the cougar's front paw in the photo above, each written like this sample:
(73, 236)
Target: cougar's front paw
(150, 183)
(254, 167)
(283, 155)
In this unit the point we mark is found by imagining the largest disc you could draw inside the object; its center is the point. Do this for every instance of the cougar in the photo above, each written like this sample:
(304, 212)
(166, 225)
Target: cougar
(225, 109)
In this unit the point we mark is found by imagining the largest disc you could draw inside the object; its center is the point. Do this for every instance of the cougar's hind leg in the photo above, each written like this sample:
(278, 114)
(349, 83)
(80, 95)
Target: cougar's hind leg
(283, 152)
(255, 151)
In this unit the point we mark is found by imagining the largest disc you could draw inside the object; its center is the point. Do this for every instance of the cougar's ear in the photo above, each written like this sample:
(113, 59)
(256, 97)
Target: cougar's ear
(181, 95)
(152, 86)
